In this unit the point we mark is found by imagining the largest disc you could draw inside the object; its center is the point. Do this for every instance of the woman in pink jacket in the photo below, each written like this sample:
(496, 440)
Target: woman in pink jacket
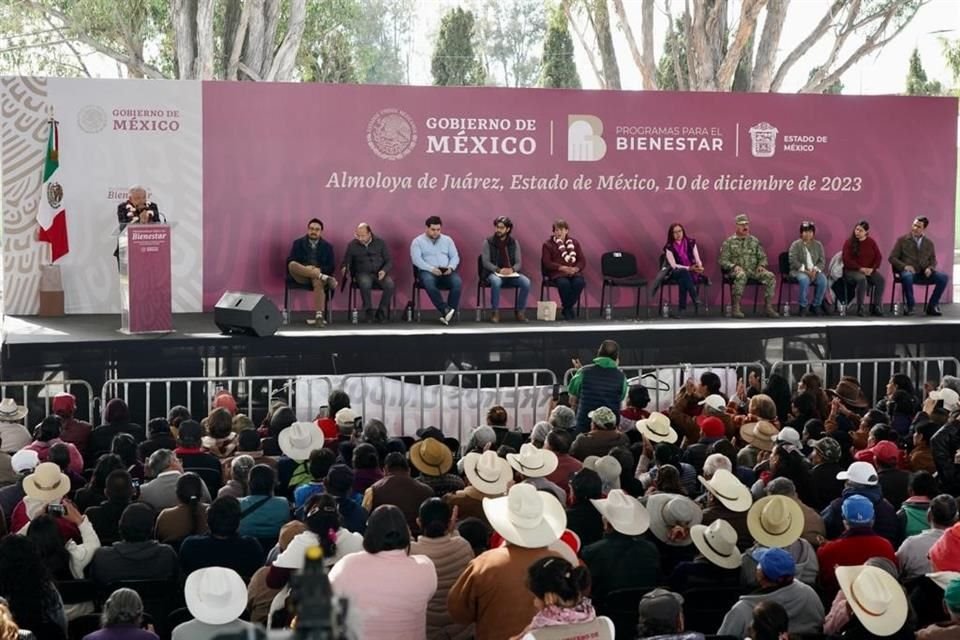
(45, 435)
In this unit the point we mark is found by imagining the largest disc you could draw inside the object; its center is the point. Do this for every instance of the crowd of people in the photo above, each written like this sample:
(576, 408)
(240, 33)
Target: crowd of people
(852, 273)
(748, 515)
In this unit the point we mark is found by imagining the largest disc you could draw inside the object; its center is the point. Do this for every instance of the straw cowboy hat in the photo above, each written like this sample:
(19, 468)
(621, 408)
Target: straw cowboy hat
(431, 457)
(775, 521)
(526, 517)
(624, 513)
(46, 483)
(717, 543)
(668, 510)
(10, 411)
(215, 595)
(487, 472)
(728, 489)
(850, 394)
(532, 462)
(299, 439)
(657, 428)
(761, 434)
(875, 597)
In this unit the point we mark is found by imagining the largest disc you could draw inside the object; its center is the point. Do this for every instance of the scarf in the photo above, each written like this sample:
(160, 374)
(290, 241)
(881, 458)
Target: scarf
(682, 252)
(554, 616)
(568, 251)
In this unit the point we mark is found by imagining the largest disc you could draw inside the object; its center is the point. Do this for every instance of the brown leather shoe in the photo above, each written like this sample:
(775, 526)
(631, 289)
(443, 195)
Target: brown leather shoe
(495, 317)
(521, 317)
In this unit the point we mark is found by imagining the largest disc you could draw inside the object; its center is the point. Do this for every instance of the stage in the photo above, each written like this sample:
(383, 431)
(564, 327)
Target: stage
(90, 347)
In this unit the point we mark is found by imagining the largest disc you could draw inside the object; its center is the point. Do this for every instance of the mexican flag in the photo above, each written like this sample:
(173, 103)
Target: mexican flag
(52, 215)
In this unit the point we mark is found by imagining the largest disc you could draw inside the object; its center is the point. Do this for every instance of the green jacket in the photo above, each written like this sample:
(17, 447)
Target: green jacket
(607, 363)
(742, 252)
(798, 261)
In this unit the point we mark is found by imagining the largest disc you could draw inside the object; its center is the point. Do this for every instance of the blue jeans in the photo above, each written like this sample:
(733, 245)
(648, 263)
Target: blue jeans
(686, 285)
(520, 282)
(432, 284)
(938, 278)
(819, 288)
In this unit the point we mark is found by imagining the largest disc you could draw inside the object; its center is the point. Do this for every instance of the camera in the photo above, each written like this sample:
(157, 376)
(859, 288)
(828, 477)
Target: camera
(56, 510)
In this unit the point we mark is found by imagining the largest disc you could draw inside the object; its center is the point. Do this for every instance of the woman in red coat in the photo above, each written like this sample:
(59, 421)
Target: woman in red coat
(563, 262)
(861, 264)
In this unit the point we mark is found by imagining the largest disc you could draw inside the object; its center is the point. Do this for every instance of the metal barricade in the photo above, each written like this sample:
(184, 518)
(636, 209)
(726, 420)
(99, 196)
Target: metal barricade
(872, 373)
(37, 397)
(430, 398)
(153, 397)
(663, 380)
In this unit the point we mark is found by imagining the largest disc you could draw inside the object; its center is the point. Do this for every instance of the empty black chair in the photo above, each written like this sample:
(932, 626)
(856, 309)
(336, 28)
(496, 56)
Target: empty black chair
(622, 606)
(786, 280)
(76, 591)
(705, 607)
(210, 477)
(619, 269)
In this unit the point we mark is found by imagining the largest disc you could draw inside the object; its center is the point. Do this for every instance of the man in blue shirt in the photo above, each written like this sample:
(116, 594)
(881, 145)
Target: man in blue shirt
(436, 259)
(311, 261)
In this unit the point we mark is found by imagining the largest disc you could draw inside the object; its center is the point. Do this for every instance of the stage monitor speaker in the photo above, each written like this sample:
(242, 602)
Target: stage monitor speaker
(252, 314)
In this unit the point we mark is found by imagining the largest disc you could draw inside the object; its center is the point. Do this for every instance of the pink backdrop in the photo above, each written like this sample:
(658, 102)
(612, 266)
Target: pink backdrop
(270, 151)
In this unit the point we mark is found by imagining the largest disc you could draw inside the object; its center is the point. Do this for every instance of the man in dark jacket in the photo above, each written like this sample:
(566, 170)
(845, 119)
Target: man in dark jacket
(311, 262)
(945, 444)
(601, 384)
(826, 465)
(500, 257)
(862, 479)
(915, 258)
(367, 261)
(136, 556)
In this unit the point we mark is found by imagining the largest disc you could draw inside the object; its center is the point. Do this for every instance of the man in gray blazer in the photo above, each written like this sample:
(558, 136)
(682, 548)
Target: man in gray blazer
(914, 257)
(161, 492)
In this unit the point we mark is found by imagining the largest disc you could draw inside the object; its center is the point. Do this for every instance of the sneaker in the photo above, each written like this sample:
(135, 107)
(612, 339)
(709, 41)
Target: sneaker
(317, 321)
(448, 316)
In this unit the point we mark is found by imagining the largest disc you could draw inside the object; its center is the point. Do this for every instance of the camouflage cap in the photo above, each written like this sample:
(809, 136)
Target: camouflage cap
(742, 219)
(603, 417)
(828, 448)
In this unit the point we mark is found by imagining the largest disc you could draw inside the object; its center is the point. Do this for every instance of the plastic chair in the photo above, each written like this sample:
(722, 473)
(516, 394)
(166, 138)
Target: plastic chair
(705, 607)
(622, 607)
(619, 269)
(211, 478)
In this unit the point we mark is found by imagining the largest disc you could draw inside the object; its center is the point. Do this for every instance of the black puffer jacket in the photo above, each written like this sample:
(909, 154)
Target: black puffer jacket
(945, 443)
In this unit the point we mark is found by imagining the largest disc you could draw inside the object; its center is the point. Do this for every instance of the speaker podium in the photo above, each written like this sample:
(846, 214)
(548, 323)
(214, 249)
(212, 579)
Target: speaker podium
(252, 314)
(145, 286)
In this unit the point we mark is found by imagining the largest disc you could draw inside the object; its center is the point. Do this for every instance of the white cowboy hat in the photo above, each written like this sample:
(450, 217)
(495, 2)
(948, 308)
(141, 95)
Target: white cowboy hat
(775, 521)
(875, 597)
(526, 517)
(728, 489)
(532, 462)
(624, 513)
(487, 472)
(717, 543)
(299, 439)
(10, 411)
(46, 483)
(667, 510)
(760, 434)
(657, 428)
(215, 595)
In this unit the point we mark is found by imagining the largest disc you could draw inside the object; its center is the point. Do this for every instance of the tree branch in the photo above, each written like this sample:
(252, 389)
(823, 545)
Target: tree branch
(271, 13)
(805, 45)
(237, 48)
(205, 50)
(748, 24)
(253, 51)
(582, 39)
(647, 71)
(848, 27)
(69, 44)
(253, 75)
(769, 41)
(285, 61)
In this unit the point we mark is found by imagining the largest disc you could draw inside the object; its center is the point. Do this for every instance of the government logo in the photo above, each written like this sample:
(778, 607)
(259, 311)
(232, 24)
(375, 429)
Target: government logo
(585, 141)
(92, 119)
(54, 195)
(391, 134)
(763, 140)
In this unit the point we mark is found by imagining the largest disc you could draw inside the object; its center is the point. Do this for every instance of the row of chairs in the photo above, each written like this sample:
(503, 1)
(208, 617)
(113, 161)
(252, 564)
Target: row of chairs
(618, 270)
(163, 603)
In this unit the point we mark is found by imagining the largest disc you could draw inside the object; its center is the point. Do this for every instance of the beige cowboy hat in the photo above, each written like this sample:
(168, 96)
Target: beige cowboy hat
(532, 462)
(850, 394)
(624, 513)
(299, 439)
(775, 521)
(46, 483)
(10, 411)
(487, 472)
(728, 489)
(657, 428)
(215, 595)
(431, 457)
(761, 434)
(668, 510)
(875, 597)
(717, 543)
(526, 517)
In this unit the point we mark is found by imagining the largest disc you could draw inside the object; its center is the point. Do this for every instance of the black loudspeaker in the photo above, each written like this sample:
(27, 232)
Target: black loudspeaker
(252, 314)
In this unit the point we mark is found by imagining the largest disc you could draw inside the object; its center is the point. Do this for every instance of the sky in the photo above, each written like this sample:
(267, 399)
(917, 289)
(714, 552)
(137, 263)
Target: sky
(881, 73)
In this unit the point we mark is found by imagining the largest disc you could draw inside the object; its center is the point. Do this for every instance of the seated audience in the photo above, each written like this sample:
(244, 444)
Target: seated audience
(238, 484)
(858, 543)
(561, 597)
(814, 530)
(661, 617)
(191, 453)
(951, 604)
(877, 602)
(223, 546)
(46, 434)
(582, 516)
(125, 447)
(477, 532)
(366, 467)
(388, 588)
(862, 479)
(602, 437)
(105, 517)
(136, 556)
(46, 487)
(716, 564)
(730, 500)
(76, 432)
(913, 554)
(221, 439)
(770, 621)
(559, 441)
(775, 575)
(399, 489)
(29, 589)
(122, 618)
(488, 476)
(116, 419)
(216, 597)
(93, 493)
(825, 458)
(339, 484)
(161, 492)
(64, 561)
(433, 459)
(189, 517)
(532, 466)
(671, 517)
(776, 521)
(260, 595)
(158, 437)
(450, 555)
(262, 512)
(319, 464)
(913, 511)
(60, 456)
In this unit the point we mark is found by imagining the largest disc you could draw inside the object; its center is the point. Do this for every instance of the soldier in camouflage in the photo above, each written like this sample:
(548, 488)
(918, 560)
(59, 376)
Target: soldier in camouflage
(743, 258)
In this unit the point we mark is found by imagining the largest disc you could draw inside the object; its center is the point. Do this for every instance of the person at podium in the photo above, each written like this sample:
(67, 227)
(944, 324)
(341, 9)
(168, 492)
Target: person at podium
(136, 209)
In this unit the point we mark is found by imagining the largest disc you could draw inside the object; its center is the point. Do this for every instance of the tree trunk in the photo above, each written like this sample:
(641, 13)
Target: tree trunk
(805, 45)
(236, 47)
(762, 74)
(285, 62)
(643, 59)
(184, 24)
(205, 51)
(601, 25)
(253, 50)
(748, 24)
(231, 22)
(582, 39)
(271, 14)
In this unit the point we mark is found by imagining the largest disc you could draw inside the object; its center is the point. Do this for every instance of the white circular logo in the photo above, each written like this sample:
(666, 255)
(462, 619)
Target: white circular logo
(391, 134)
(92, 119)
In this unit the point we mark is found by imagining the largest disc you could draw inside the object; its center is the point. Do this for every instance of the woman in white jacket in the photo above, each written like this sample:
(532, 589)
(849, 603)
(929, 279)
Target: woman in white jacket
(66, 561)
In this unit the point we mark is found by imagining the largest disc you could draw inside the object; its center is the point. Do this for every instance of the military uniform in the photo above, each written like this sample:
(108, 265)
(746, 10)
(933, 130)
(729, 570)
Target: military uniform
(747, 254)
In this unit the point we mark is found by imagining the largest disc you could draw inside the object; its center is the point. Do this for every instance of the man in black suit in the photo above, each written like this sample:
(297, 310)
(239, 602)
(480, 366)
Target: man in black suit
(311, 261)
